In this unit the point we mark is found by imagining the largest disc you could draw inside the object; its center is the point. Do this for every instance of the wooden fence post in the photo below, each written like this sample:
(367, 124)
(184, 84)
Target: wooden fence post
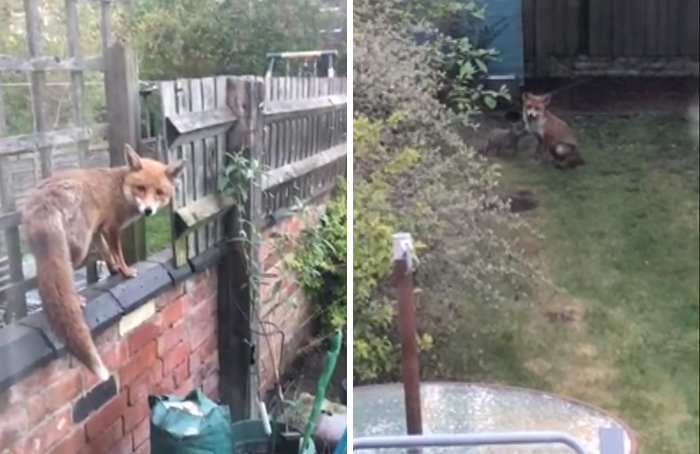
(410, 371)
(238, 294)
(122, 94)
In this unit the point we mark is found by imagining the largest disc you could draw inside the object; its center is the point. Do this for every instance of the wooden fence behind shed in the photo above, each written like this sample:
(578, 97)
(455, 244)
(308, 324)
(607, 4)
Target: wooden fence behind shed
(565, 38)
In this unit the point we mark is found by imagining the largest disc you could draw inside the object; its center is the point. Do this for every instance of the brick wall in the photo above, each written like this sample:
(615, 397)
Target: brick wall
(288, 310)
(168, 345)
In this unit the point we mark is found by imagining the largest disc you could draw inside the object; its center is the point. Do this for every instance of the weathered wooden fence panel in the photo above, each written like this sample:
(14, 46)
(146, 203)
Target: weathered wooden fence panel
(301, 141)
(305, 138)
(196, 120)
(603, 37)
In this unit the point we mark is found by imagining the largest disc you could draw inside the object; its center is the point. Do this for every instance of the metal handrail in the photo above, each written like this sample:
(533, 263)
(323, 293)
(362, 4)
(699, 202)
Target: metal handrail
(476, 439)
(491, 438)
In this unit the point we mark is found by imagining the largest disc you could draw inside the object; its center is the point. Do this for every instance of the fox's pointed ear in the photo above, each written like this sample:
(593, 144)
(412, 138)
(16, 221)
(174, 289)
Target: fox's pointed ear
(175, 169)
(133, 160)
(546, 98)
(526, 95)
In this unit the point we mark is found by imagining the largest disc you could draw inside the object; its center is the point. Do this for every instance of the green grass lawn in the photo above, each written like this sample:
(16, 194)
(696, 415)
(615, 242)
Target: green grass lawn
(158, 232)
(621, 238)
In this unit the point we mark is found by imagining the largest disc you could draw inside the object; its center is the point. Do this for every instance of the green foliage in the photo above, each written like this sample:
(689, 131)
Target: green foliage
(414, 173)
(199, 38)
(465, 67)
(374, 342)
(320, 262)
(320, 254)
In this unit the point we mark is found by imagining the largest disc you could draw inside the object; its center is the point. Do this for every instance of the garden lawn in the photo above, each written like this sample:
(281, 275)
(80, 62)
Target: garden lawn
(158, 232)
(621, 241)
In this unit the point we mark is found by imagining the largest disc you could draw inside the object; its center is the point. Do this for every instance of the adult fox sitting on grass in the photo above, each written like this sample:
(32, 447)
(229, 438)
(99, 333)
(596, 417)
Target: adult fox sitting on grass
(552, 133)
(70, 211)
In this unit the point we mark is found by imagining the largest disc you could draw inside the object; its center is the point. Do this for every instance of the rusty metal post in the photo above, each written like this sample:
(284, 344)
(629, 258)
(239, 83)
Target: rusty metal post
(403, 275)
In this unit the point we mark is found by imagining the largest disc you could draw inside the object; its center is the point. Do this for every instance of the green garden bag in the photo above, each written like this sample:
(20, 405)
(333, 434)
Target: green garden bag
(190, 425)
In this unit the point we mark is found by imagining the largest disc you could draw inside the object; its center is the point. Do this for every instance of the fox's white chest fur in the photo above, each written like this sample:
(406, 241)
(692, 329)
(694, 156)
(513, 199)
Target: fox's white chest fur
(534, 125)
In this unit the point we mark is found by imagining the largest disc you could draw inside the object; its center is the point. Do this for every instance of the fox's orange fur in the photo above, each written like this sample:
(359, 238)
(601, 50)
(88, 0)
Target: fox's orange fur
(552, 133)
(72, 210)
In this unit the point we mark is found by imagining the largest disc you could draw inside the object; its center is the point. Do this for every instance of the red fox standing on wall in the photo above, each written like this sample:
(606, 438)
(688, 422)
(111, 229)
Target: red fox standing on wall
(71, 210)
(553, 134)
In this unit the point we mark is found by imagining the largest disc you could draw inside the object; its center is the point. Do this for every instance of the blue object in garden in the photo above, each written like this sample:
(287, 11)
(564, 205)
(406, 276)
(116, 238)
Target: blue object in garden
(503, 30)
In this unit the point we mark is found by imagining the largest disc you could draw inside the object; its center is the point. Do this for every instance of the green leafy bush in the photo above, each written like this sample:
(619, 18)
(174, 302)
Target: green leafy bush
(201, 38)
(320, 261)
(412, 172)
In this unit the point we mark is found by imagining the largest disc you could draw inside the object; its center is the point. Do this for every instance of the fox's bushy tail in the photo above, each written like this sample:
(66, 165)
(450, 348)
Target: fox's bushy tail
(54, 274)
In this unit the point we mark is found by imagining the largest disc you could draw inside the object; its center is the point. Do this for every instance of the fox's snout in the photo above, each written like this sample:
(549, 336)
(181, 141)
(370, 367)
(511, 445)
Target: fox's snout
(147, 209)
(532, 113)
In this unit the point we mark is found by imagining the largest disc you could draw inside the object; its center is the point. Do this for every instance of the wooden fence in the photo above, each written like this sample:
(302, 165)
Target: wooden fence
(295, 128)
(564, 38)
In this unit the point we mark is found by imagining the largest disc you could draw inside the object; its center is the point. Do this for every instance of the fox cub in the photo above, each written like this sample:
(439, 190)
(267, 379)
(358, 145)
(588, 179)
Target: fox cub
(70, 211)
(501, 139)
(552, 133)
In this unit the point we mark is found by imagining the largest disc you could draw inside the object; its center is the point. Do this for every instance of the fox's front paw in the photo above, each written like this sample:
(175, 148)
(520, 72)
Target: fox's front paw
(128, 272)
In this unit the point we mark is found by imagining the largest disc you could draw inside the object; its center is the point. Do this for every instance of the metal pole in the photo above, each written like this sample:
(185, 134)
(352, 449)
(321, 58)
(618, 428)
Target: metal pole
(402, 246)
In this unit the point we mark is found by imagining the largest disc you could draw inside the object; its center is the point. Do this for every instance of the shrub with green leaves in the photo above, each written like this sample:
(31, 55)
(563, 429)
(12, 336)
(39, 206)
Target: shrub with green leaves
(202, 38)
(412, 172)
(320, 261)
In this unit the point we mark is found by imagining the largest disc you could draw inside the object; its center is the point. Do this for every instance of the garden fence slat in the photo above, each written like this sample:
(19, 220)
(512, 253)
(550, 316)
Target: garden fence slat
(209, 175)
(569, 38)
(77, 85)
(10, 251)
(222, 141)
(197, 162)
(38, 80)
(182, 95)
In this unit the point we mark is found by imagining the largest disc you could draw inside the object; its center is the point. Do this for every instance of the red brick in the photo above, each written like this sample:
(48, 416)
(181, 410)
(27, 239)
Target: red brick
(201, 353)
(113, 355)
(12, 428)
(47, 434)
(140, 434)
(165, 386)
(200, 332)
(203, 310)
(175, 357)
(173, 312)
(71, 444)
(144, 359)
(210, 386)
(141, 386)
(103, 418)
(144, 448)
(123, 446)
(185, 387)
(207, 367)
(36, 382)
(142, 335)
(54, 396)
(181, 373)
(170, 338)
(107, 339)
(108, 437)
(135, 414)
(171, 295)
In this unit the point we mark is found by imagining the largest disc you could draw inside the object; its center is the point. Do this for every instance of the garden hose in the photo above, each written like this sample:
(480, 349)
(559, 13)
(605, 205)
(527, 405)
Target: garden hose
(328, 368)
